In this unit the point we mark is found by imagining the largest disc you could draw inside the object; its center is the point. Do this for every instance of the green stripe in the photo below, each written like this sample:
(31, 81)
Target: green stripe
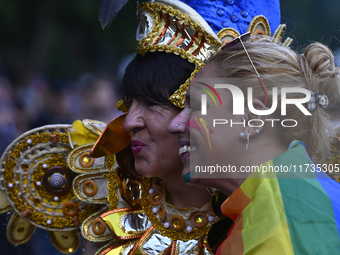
(209, 94)
(308, 208)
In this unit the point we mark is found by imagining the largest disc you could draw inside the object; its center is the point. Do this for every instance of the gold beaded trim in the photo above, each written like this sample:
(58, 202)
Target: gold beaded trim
(287, 42)
(128, 246)
(106, 236)
(259, 20)
(11, 229)
(78, 187)
(75, 155)
(228, 32)
(110, 162)
(130, 189)
(10, 163)
(98, 173)
(173, 234)
(113, 190)
(145, 45)
(110, 246)
(278, 35)
(155, 30)
(178, 97)
(58, 243)
(155, 7)
(6, 208)
(37, 217)
(55, 160)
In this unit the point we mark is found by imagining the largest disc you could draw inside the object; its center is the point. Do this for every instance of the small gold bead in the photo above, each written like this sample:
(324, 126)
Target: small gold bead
(176, 223)
(198, 220)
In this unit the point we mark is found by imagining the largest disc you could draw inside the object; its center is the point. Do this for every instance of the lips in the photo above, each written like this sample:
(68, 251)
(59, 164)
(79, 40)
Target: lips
(135, 142)
(137, 146)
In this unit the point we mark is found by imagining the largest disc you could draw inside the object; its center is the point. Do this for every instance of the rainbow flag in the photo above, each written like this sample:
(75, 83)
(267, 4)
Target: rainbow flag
(288, 213)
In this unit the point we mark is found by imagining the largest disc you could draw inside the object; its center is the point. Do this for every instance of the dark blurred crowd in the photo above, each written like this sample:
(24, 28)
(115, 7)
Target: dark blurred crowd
(39, 103)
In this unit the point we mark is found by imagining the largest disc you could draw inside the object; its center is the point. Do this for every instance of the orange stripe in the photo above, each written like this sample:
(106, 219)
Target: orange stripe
(199, 47)
(140, 240)
(124, 209)
(234, 243)
(183, 36)
(168, 251)
(201, 246)
(233, 208)
(128, 237)
(112, 247)
(175, 35)
(205, 244)
(173, 247)
(192, 41)
(235, 204)
(164, 29)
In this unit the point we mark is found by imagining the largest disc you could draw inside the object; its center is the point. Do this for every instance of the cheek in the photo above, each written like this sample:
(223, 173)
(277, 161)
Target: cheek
(200, 124)
(167, 142)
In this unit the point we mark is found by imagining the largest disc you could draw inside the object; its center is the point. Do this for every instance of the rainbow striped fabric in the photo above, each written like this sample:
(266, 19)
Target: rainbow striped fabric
(287, 214)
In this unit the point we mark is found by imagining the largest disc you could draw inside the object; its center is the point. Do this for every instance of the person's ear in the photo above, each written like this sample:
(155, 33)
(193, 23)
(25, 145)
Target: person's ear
(254, 123)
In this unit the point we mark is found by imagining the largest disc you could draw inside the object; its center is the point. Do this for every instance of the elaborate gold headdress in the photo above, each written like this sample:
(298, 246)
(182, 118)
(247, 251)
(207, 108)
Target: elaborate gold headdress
(178, 29)
(197, 29)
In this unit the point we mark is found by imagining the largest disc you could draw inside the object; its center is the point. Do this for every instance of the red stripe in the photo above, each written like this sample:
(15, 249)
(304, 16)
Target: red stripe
(212, 90)
(164, 29)
(234, 243)
(265, 92)
(233, 208)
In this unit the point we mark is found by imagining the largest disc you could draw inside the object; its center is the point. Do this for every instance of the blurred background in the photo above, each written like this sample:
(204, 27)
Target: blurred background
(57, 65)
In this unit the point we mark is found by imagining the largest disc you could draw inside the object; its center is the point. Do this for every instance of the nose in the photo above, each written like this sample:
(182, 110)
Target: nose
(178, 125)
(134, 119)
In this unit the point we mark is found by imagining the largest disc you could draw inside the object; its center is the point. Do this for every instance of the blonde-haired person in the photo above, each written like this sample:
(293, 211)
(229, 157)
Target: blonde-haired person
(279, 200)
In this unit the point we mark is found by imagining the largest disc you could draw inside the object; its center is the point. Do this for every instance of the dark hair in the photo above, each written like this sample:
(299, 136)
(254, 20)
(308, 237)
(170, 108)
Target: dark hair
(155, 76)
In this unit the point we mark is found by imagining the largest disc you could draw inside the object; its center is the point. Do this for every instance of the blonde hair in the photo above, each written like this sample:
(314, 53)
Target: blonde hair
(279, 66)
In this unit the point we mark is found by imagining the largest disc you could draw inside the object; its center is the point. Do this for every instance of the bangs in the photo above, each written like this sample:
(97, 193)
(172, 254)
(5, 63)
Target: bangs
(155, 76)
